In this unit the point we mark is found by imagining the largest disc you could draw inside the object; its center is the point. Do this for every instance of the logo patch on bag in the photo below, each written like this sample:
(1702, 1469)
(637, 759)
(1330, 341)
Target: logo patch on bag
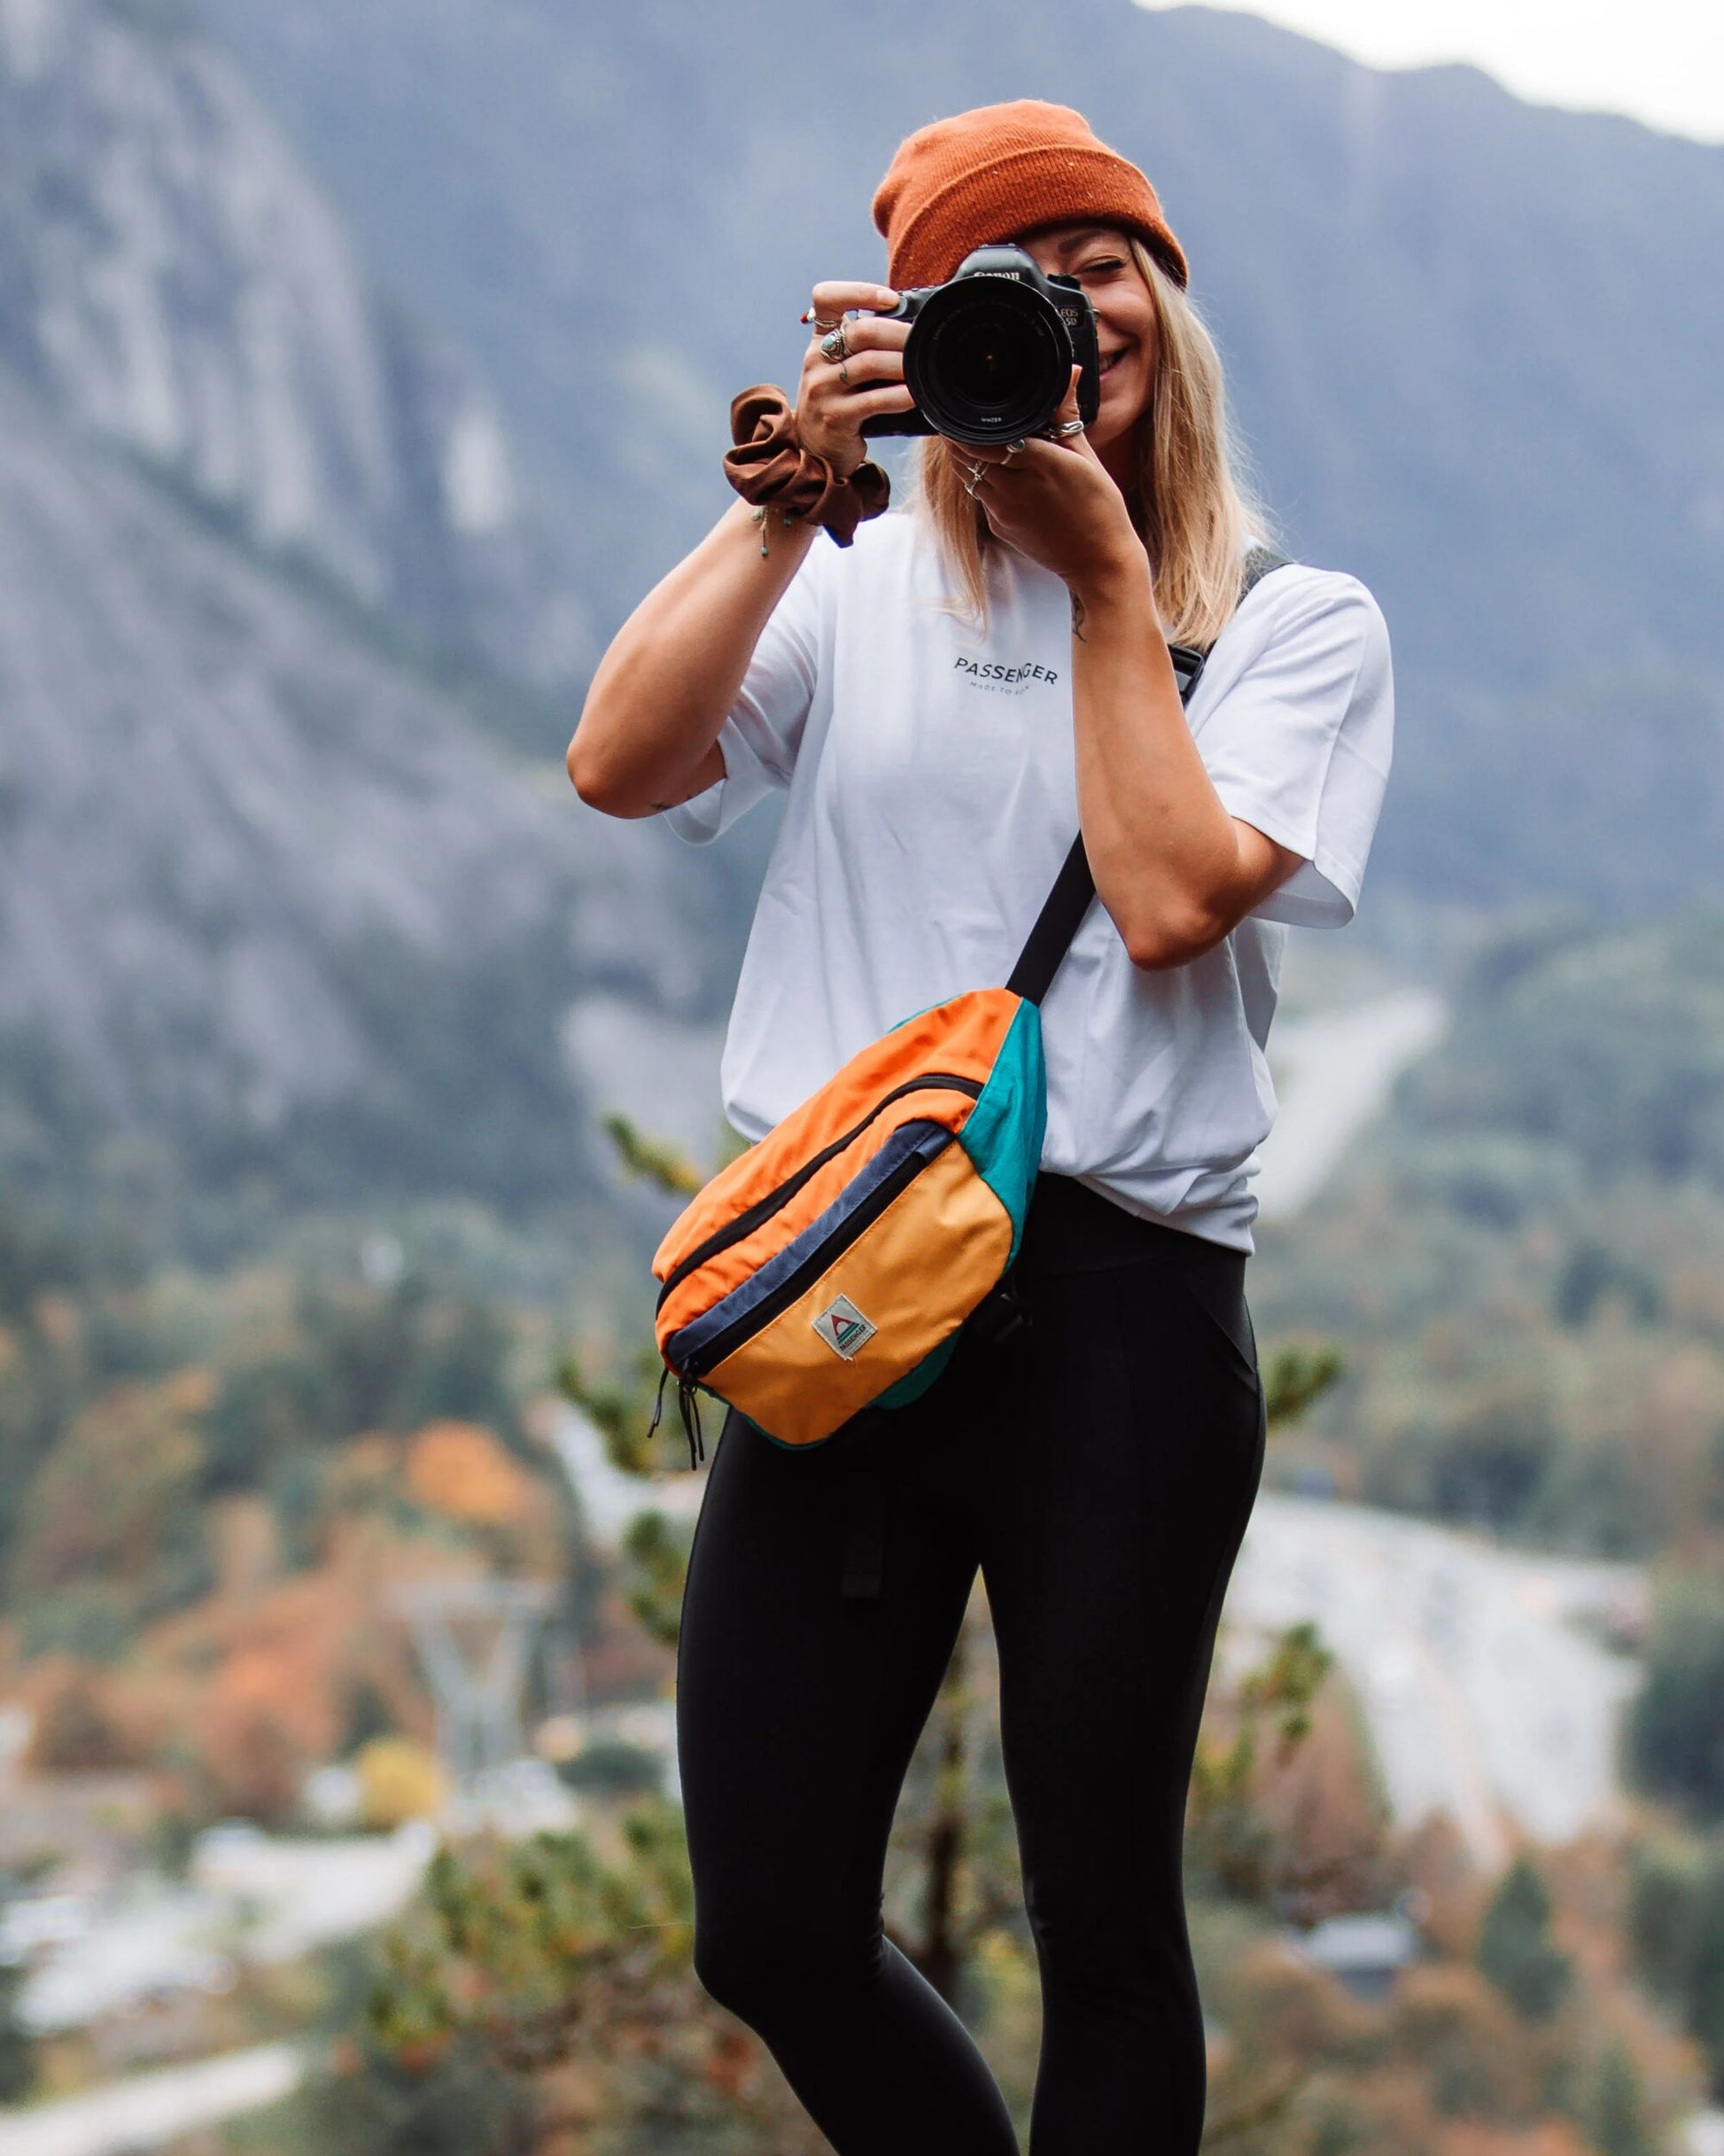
(844, 1328)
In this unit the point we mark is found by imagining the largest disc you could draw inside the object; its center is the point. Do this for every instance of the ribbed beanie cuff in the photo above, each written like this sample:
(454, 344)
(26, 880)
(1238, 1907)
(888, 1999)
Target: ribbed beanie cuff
(1003, 170)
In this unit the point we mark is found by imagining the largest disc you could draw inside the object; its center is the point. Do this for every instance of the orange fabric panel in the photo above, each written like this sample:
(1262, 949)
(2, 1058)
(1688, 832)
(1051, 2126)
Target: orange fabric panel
(917, 1272)
(963, 1037)
(709, 1283)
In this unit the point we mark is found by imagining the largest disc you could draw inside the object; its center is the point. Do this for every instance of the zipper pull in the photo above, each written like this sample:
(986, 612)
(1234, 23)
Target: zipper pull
(688, 1401)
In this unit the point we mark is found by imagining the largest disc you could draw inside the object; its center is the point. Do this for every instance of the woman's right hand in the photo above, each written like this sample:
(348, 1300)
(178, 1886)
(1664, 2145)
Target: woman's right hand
(837, 395)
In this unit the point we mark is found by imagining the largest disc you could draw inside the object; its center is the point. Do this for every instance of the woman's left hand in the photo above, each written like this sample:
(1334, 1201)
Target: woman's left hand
(1053, 501)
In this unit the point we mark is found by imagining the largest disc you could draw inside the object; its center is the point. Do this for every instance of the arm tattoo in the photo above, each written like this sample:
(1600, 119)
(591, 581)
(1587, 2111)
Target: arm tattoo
(1079, 616)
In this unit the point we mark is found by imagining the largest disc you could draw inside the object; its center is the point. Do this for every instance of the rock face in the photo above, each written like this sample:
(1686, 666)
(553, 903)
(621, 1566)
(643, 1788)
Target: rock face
(176, 286)
(1473, 343)
(231, 835)
(266, 892)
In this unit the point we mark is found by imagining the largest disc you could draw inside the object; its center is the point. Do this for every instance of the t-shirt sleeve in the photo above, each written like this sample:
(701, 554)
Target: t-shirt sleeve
(1299, 745)
(763, 729)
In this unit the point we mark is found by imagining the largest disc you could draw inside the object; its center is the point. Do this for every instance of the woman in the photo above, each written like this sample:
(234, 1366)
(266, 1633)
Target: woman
(946, 701)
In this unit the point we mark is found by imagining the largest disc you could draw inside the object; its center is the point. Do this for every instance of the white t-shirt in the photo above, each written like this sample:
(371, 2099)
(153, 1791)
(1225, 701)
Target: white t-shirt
(932, 797)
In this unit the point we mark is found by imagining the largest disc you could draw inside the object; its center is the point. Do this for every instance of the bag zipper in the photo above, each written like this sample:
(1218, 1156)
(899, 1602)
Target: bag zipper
(774, 1200)
(811, 1268)
(688, 1401)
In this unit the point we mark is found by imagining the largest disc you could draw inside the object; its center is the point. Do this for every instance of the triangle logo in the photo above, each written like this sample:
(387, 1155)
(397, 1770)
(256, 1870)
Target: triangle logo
(844, 1329)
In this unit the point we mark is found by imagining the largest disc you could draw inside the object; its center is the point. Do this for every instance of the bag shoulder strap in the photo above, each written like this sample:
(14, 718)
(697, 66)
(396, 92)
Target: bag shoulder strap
(1068, 901)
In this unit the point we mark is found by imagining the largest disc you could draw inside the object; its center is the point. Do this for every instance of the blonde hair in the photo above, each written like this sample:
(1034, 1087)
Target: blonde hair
(1195, 509)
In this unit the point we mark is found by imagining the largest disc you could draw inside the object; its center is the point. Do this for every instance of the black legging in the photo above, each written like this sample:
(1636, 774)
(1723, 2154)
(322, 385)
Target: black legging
(1099, 1466)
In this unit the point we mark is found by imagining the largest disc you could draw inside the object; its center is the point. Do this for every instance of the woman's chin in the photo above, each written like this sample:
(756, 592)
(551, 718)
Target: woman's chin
(1123, 395)
(1111, 423)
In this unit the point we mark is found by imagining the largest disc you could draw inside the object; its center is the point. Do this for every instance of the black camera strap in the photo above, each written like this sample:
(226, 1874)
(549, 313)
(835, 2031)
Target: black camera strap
(1068, 901)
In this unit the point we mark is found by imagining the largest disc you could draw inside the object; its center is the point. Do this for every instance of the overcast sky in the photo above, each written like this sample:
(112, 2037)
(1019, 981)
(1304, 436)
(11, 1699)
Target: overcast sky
(1661, 60)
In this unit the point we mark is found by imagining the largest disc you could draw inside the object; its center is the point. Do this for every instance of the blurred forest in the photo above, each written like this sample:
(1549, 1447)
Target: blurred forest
(1537, 1350)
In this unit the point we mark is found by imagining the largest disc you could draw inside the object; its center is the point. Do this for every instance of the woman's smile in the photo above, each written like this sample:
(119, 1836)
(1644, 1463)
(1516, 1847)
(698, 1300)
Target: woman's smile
(1126, 335)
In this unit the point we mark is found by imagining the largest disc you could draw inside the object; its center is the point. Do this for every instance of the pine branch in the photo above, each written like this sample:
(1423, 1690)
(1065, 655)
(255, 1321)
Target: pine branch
(1295, 1377)
(653, 1160)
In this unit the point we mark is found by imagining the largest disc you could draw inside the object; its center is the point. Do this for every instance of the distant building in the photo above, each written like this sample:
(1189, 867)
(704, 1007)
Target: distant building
(1367, 1952)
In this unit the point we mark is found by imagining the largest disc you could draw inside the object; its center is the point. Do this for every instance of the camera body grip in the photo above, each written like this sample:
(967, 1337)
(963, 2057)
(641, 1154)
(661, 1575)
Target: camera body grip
(990, 352)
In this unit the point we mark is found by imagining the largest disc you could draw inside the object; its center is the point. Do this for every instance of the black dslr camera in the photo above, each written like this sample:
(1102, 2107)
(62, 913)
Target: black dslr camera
(989, 354)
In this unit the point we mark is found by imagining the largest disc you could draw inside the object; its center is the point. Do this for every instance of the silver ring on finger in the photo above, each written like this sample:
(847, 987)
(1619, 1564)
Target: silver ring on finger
(1012, 447)
(833, 346)
(976, 471)
(823, 329)
(1064, 430)
(843, 374)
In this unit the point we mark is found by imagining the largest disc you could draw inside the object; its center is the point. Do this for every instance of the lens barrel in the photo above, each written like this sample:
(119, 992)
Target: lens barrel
(988, 358)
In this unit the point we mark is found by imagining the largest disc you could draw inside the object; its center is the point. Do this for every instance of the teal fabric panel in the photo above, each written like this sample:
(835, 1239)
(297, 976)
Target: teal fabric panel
(1003, 1132)
(915, 1382)
(783, 1445)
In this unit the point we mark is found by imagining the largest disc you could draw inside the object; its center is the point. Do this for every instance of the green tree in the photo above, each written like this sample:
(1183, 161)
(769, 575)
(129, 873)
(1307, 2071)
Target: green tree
(1675, 1727)
(1295, 1377)
(1705, 1986)
(517, 1959)
(656, 1557)
(1489, 1467)
(1516, 1950)
(18, 2064)
(460, 2102)
(1617, 2123)
(112, 1508)
(1675, 1927)
(1666, 1880)
(1229, 1848)
(359, 1357)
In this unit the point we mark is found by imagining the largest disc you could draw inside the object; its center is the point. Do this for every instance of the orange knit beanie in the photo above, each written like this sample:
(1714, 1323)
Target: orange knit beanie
(1003, 170)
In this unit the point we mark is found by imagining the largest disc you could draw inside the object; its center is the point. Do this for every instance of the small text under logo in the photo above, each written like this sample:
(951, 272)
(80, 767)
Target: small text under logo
(996, 675)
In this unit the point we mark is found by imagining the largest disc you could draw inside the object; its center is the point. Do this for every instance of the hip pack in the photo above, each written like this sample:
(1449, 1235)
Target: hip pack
(834, 1265)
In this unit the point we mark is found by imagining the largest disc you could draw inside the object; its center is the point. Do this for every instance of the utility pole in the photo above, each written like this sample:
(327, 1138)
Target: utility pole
(475, 1639)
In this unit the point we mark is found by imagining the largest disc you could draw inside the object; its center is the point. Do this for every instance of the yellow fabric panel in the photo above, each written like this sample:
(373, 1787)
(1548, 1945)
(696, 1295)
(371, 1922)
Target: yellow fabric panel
(917, 1272)
(709, 1284)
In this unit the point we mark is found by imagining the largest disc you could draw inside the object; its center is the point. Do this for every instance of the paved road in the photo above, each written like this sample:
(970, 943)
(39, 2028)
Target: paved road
(250, 1896)
(608, 1499)
(1332, 1073)
(146, 2110)
(1483, 1694)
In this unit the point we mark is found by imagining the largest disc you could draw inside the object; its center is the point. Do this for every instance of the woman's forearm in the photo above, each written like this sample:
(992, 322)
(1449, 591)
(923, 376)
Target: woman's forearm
(648, 732)
(1164, 850)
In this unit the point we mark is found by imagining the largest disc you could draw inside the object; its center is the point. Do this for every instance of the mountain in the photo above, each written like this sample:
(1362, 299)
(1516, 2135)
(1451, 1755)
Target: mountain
(1473, 342)
(277, 915)
(1522, 1255)
(262, 888)
(175, 285)
(335, 355)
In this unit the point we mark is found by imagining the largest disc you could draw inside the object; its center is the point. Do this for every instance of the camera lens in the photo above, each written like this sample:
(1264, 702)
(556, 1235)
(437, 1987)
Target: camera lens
(988, 360)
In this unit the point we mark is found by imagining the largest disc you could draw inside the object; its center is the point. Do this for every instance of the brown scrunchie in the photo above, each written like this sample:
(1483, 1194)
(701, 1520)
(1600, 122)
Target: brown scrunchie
(770, 468)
